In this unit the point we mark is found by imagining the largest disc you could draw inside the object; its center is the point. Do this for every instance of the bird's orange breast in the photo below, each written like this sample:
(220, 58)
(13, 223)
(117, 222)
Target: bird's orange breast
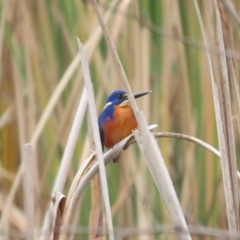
(120, 126)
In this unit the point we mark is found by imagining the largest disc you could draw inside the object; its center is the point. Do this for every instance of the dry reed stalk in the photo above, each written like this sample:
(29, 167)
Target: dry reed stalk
(22, 138)
(31, 56)
(54, 98)
(73, 136)
(5, 174)
(113, 52)
(232, 11)
(60, 19)
(103, 68)
(121, 200)
(139, 75)
(66, 160)
(151, 151)
(129, 163)
(58, 200)
(81, 182)
(28, 159)
(187, 138)
(9, 201)
(6, 117)
(190, 139)
(78, 178)
(232, 64)
(161, 177)
(144, 220)
(176, 95)
(51, 79)
(54, 217)
(208, 36)
(94, 124)
(224, 125)
(90, 47)
(96, 212)
(5, 4)
(116, 31)
(209, 125)
(227, 140)
(120, 21)
(70, 109)
(17, 217)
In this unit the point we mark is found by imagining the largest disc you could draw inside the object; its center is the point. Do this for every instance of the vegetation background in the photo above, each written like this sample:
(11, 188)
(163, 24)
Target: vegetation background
(161, 48)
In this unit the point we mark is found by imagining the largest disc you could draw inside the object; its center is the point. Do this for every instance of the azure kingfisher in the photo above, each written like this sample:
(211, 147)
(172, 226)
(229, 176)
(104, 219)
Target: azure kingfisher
(117, 119)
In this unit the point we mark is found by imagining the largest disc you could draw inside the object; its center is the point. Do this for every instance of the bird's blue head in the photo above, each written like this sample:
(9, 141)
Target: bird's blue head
(117, 98)
(120, 98)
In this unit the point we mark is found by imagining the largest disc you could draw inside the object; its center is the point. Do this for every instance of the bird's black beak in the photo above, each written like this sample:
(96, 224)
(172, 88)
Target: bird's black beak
(137, 95)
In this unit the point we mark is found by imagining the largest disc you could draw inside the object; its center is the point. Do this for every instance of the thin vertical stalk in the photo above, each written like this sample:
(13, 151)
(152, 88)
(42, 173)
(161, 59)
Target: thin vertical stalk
(94, 123)
(225, 155)
(28, 159)
(66, 160)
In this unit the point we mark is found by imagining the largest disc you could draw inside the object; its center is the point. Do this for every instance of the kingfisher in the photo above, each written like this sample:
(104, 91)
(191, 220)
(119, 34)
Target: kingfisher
(117, 119)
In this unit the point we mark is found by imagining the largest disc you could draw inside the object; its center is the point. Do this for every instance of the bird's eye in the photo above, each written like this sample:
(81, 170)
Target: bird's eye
(119, 96)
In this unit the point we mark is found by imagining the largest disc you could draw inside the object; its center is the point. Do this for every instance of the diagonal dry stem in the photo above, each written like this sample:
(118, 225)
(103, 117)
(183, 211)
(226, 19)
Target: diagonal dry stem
(151, 151)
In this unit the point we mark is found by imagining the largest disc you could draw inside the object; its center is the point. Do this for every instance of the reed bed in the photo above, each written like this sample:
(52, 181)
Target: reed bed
(163, 187)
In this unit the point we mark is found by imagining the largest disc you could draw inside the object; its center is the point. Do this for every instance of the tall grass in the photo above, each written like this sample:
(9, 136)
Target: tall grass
(163, 48)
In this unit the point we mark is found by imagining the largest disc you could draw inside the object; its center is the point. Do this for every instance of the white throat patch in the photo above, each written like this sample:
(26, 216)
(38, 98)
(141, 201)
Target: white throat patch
(109, 103)
(125, 104)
